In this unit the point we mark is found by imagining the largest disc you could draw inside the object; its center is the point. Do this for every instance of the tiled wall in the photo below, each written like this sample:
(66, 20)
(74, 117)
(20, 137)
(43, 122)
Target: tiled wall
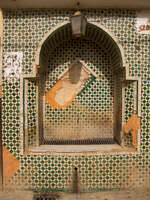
(91, 113)
(23, 30)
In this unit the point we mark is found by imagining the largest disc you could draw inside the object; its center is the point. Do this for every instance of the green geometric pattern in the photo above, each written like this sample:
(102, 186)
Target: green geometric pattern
(23, 30)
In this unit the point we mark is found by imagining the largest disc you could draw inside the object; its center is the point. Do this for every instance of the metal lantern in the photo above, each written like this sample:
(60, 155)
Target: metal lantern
(78, 24)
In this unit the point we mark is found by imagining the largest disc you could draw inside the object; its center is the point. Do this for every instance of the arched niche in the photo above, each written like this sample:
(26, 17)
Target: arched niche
(110, 73)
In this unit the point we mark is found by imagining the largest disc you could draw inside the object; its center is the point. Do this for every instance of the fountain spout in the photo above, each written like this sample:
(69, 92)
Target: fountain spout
(75, 181)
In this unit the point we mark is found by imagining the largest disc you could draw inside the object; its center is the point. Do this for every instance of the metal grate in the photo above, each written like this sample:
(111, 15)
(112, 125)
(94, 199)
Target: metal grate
(44, 197)
(81, 142)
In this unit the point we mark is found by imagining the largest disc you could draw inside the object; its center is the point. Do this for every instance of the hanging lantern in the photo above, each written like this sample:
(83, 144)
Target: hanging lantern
(78, 24)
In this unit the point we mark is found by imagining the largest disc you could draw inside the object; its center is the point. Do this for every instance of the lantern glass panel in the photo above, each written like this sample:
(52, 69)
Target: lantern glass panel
(78, 25)
(84, 22)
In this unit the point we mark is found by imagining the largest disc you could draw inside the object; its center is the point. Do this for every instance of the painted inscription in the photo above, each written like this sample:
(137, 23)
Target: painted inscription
(143, 22)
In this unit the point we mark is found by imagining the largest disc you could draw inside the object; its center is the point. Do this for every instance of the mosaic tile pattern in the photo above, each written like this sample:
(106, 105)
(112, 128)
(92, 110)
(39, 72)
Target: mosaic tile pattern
(95, 172)
(118, 97)
(31, 103)
(129, 109)
(11, 120)
(23, 30)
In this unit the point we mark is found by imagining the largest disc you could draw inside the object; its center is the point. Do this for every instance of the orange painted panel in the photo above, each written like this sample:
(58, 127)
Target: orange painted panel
(51, 94)
(133, 124)
(10, 165)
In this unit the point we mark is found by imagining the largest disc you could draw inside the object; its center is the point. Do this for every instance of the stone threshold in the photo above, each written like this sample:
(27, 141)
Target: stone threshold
(105, 148)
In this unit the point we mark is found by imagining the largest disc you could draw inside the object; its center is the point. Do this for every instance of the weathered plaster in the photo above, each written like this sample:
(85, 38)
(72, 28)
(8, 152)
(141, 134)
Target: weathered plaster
(52, 96)
(13, 65)
(66, 89)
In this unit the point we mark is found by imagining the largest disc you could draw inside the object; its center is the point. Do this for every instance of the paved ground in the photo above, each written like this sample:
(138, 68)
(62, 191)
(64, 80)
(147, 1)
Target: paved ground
(136, 194)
